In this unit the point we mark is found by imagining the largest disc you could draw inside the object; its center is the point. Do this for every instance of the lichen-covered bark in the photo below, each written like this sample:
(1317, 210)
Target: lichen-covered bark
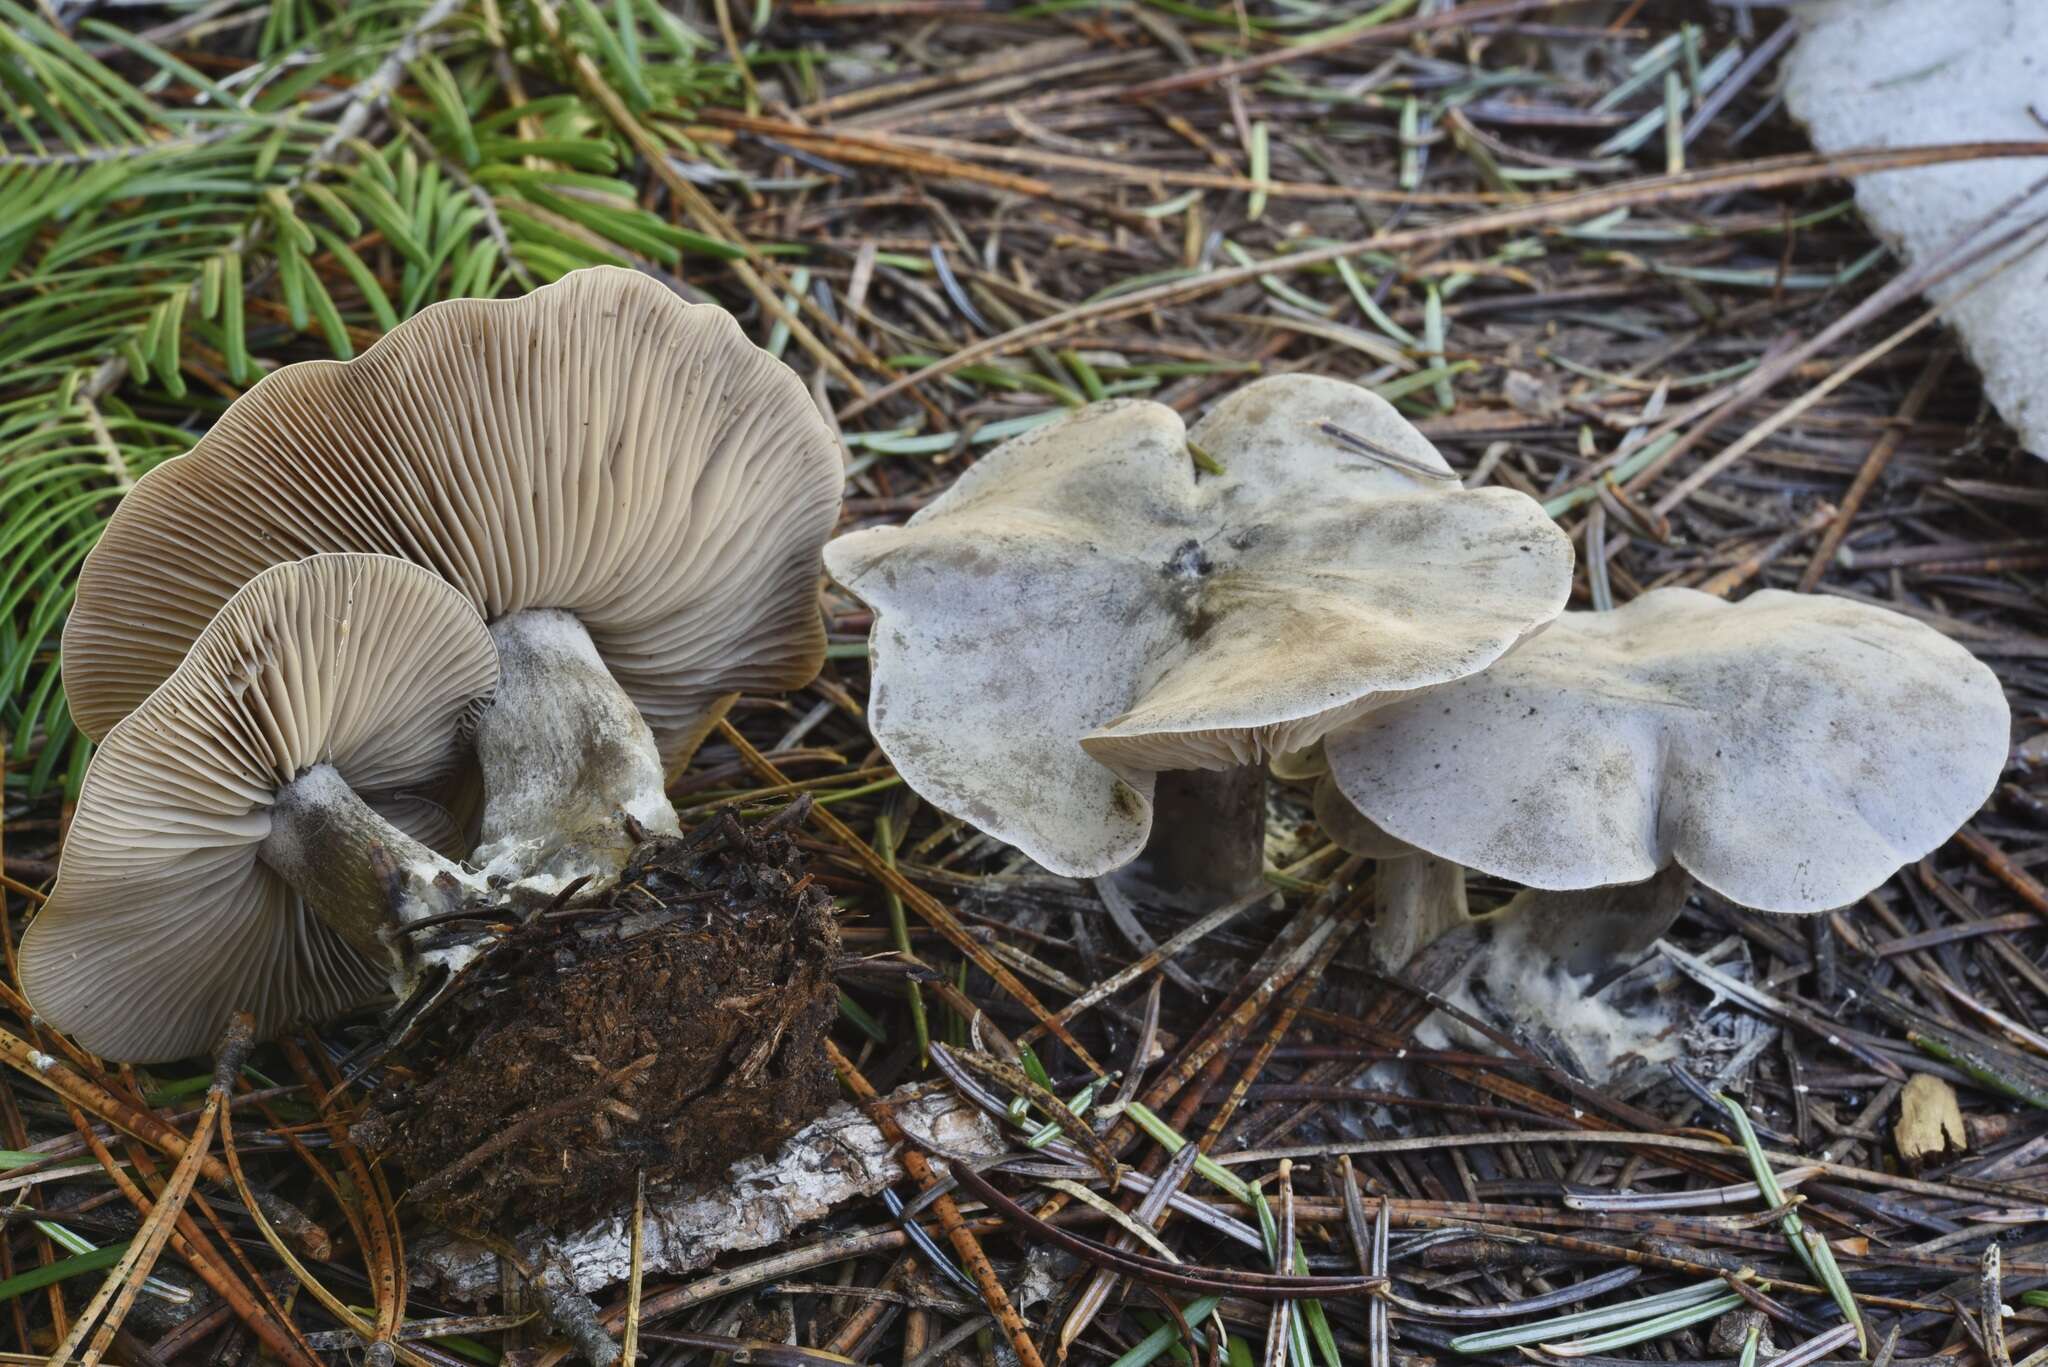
(761, 1201)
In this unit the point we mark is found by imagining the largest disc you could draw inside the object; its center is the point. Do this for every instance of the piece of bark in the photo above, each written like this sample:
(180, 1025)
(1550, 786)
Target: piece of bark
(837, 1158)
(1930, 1122)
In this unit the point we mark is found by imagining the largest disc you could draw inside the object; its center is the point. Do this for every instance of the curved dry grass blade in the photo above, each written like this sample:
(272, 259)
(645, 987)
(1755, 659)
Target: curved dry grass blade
(1645, 1330)
(963, 1240)
(1649, 1307)
(270, 1327)
(926, 906)
(1092, 1298)
(96, 1100)
(1139, 1267)
(1017, 1081)
(109, 1305)
(332, 1304)
(1564, 1295)
(1772, 173)
(629, 1341)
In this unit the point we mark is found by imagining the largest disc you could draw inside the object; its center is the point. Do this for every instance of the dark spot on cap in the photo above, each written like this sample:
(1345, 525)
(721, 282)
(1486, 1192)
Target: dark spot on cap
(1188, 561)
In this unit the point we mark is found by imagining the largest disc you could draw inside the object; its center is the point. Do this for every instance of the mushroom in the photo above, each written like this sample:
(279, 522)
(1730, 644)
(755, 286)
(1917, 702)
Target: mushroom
(245, 837)
(1091, 607)
(1788, 751)
(1349, 828)
(631, 493)
(1416, 897)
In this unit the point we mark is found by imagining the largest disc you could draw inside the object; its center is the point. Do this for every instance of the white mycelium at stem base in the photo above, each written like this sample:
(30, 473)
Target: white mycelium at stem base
(566, 757)
(1788, 751)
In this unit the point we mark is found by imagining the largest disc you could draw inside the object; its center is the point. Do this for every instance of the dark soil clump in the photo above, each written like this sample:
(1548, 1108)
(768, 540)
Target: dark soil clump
(672, 1029)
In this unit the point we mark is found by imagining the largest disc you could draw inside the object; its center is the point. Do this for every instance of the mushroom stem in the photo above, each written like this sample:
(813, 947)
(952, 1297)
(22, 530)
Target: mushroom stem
(1208, 842)
(1417, 898)
(1599, 932)
(355, 870)
(568, 761)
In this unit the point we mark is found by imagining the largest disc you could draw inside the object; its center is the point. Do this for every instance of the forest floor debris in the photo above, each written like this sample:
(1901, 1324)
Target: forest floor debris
(1587, 250)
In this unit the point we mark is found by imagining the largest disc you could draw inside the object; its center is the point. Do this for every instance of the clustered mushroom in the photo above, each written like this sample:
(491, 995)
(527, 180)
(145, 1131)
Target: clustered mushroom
(1085, 643)
(1789, 752)
(556, 536)
(628, 490)
(520, 555)
(236, 832)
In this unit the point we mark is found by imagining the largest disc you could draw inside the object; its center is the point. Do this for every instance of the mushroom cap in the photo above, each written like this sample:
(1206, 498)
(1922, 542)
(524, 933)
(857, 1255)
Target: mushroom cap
(163, 920)
(1350, 829)
(597, 446)
(1299, 766)
(1789, 751)
(1085, 608)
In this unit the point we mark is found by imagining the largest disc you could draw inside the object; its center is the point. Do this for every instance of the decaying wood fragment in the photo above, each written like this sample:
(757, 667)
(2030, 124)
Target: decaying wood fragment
(1930, 1122)
(760, 1202)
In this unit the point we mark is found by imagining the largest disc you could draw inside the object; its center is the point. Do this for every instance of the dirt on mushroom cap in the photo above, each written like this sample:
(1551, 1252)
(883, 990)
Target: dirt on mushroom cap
(674, 1027)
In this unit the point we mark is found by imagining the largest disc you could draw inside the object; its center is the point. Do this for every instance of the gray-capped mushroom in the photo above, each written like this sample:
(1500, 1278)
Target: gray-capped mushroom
(246, 837)
(1089, 607)
(1350, 828)
(630, 492)
(1788, 751)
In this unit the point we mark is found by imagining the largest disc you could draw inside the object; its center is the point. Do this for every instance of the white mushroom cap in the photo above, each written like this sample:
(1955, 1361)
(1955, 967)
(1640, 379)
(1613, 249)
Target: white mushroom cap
(163, 921)
(1298, 766)
(1350, 829)
(1789, 751)
(1085, 608)
(597, 446)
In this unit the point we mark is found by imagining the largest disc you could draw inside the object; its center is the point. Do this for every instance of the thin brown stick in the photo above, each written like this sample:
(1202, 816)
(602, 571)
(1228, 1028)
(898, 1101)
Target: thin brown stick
(700, 210)
(89, 1096)
(376, 1222)
(110, 1304)
(917, 899)
(192, 1245)
(1750, 566)
(1874, 465)
(948, 1212)
(1774, 173)
(2030, 888)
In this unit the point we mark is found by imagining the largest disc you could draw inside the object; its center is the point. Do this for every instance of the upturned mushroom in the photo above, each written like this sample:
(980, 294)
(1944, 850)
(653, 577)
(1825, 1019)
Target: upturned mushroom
(1789, 752)
(630, 492)
(1087, 645)
(248, 837)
